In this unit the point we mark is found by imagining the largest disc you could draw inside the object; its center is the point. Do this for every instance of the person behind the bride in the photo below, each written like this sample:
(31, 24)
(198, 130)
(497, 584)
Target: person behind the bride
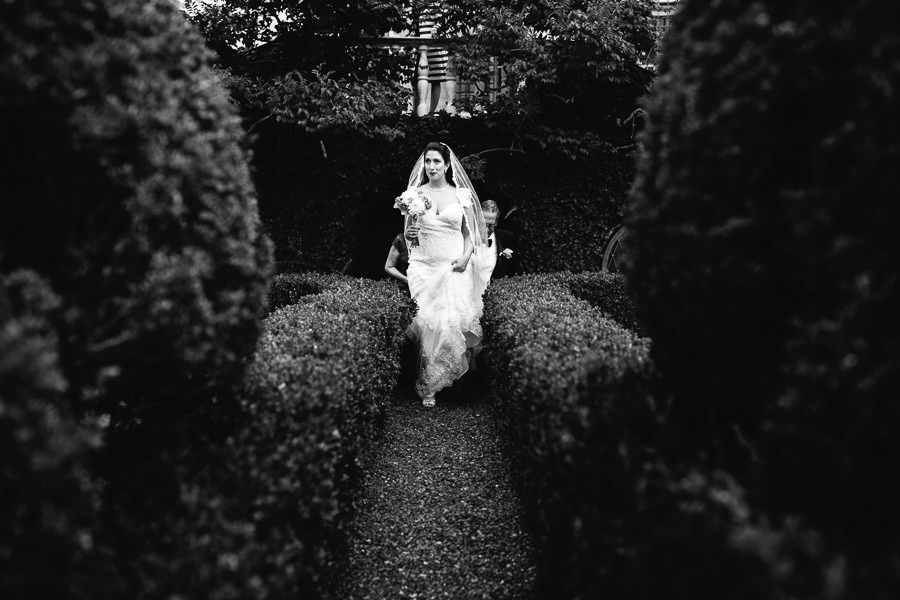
(397, 259)
(446, 242)
(499, 256)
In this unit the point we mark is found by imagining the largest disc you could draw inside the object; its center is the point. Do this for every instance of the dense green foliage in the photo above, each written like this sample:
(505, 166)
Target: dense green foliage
(763, 256)
(315, 102)
(302, 64)
(125, 163)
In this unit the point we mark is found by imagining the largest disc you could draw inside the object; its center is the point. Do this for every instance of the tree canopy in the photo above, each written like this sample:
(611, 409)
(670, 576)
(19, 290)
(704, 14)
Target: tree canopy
(566, 63)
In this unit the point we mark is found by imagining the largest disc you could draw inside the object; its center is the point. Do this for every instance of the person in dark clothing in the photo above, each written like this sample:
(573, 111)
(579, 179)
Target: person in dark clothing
(500, 242)
(397, 259)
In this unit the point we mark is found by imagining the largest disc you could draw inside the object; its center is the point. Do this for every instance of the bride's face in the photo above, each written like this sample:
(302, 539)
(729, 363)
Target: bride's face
(435, 166)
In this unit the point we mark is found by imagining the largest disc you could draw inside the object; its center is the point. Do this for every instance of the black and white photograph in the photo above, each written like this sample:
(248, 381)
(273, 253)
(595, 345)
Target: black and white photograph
(450, 300)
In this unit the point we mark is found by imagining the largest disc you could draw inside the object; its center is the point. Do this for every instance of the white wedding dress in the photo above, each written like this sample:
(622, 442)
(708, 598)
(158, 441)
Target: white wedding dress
(447, 326)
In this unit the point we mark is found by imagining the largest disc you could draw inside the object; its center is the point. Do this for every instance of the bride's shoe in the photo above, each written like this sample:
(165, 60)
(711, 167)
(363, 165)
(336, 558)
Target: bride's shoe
(428, 400)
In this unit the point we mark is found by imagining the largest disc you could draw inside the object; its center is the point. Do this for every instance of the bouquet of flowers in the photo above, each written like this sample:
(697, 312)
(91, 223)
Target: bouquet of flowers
(412, 203)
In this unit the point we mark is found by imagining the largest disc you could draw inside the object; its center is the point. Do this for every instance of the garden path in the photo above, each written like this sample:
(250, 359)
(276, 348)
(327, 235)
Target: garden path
(436, 515)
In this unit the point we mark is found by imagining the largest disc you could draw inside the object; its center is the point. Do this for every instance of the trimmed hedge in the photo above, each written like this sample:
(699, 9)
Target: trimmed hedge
(614, 512)
(769, 169)
(292, 288)
(126, 164)
(317, 391)
(543, 341)
(259, 509)
(609, 293)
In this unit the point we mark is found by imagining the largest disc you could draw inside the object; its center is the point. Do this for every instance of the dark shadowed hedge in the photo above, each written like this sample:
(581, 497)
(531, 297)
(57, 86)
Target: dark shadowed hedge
(764, 260)
(134, 275)
(328, 199)
(49, 504)
(612, 519)
(291, 288)
(608, 292)
(125, 164)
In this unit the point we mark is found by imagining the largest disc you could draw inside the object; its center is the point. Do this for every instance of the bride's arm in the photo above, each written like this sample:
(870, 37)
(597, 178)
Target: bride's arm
(460, 263)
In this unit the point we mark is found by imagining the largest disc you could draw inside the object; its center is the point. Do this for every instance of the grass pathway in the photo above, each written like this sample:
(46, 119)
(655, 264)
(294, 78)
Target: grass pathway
(437, 516)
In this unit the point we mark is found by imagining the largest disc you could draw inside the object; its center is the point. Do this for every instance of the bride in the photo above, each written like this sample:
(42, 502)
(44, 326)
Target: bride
(446, 243)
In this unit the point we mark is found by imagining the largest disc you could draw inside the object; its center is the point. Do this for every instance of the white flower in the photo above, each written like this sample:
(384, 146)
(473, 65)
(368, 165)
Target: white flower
(412, 201)
(507, 253)
(418, 205)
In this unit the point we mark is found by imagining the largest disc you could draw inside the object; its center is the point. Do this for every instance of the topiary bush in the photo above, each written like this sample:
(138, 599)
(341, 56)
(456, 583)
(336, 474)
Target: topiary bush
(763, 258)
(128, 170)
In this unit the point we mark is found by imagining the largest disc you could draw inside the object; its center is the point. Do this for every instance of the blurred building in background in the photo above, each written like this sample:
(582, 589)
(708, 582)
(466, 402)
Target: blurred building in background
(662, 14)
(662, 11)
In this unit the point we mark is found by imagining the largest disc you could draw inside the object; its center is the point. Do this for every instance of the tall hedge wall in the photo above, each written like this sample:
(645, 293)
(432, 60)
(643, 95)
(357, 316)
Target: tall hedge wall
(328, 200)
(128, 190)
(133, 276)
(764, 259)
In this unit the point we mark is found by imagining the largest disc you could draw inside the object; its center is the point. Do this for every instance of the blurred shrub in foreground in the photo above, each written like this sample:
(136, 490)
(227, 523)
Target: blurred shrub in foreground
(49, 504)
(134, 273)
(126, 166)
(764, 261)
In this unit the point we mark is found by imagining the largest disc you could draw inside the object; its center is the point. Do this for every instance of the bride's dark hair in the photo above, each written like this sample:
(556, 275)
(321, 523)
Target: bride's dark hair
(445, 154)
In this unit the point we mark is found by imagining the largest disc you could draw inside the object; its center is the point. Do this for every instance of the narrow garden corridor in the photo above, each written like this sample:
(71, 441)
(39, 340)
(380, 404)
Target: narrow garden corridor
(437, 516)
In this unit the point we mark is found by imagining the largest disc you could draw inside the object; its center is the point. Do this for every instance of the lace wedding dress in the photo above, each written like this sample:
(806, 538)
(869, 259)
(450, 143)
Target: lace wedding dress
(447, 326)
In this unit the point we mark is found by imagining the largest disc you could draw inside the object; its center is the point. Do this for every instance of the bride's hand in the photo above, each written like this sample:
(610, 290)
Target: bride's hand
(459, 265)
(412, 232)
